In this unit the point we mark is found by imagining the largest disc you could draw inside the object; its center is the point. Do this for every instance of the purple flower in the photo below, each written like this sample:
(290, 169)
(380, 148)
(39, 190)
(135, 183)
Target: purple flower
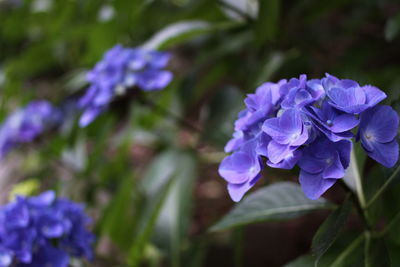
(26, 124)
(43, 230)
(348, 96)
(322, 163)
(299, 93)
(241, 170)
(378, 131)
(309, 123)
(120, 69)
(288, 133)
(335, 124)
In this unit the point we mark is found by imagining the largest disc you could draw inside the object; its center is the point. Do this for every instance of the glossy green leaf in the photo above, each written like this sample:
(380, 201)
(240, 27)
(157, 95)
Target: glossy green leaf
(279, 201)
(329, 230)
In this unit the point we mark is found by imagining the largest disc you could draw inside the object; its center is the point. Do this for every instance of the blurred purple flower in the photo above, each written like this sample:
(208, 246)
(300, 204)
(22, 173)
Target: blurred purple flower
(43, 231)
(120, 69)
(26, 124)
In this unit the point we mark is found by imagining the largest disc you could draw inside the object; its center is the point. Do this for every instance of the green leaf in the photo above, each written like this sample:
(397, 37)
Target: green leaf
(329, 230)
(119, 218)
(183, 31)
(302, 261)
(279, 201)
(172, 223)
(266, 27)
(352, 252)
(392, 28)
(147, 223)
(378, 254)
(177, 33)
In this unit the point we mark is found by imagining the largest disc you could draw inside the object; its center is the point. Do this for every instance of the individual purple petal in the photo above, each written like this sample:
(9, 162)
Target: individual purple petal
(288, 162)
(278, 152)
(314, 185)
(344, 148)
(239, 167)
(44, 199)
(150, 80)
(334, 168)
(379, 124)
(343, 123)
(311, 164)
(235, 143)
(373, 94)
(351, 100)
(386, 154)
(262, 145)
(88, 116)
(237, 191)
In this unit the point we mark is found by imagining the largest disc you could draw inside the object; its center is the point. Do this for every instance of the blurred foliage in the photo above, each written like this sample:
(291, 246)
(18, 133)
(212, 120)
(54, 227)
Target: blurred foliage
(147, 169)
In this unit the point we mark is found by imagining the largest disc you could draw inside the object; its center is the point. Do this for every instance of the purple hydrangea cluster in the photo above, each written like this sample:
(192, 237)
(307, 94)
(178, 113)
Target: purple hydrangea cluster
(309, 123)
(26, 124)
(43, 231)
(122, 68)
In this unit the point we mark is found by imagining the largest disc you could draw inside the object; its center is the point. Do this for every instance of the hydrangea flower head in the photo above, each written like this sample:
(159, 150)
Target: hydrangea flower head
(43, 231)
(309, 123)
(122, 68)
(26, 124)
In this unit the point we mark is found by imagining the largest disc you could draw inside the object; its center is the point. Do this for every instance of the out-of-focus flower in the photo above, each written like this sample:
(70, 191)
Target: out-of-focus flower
(120, 69)
(26, 124)
(309, 123)
(43, 231)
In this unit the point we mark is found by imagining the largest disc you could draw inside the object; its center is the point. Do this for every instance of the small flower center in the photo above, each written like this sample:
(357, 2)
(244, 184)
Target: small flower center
(368, 136)
(329, 123)
(328, 161)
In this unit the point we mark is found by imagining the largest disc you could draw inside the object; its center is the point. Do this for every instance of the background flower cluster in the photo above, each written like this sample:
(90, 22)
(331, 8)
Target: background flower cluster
(43, 231)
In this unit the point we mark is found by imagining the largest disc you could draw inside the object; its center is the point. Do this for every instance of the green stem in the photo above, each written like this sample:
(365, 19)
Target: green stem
(383, 188)
(357, 178)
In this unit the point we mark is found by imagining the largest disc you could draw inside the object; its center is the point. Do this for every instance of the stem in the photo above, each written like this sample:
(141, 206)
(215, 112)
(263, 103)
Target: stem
(383, 188)
(357, 177)
(236, 10)
(360, 210)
